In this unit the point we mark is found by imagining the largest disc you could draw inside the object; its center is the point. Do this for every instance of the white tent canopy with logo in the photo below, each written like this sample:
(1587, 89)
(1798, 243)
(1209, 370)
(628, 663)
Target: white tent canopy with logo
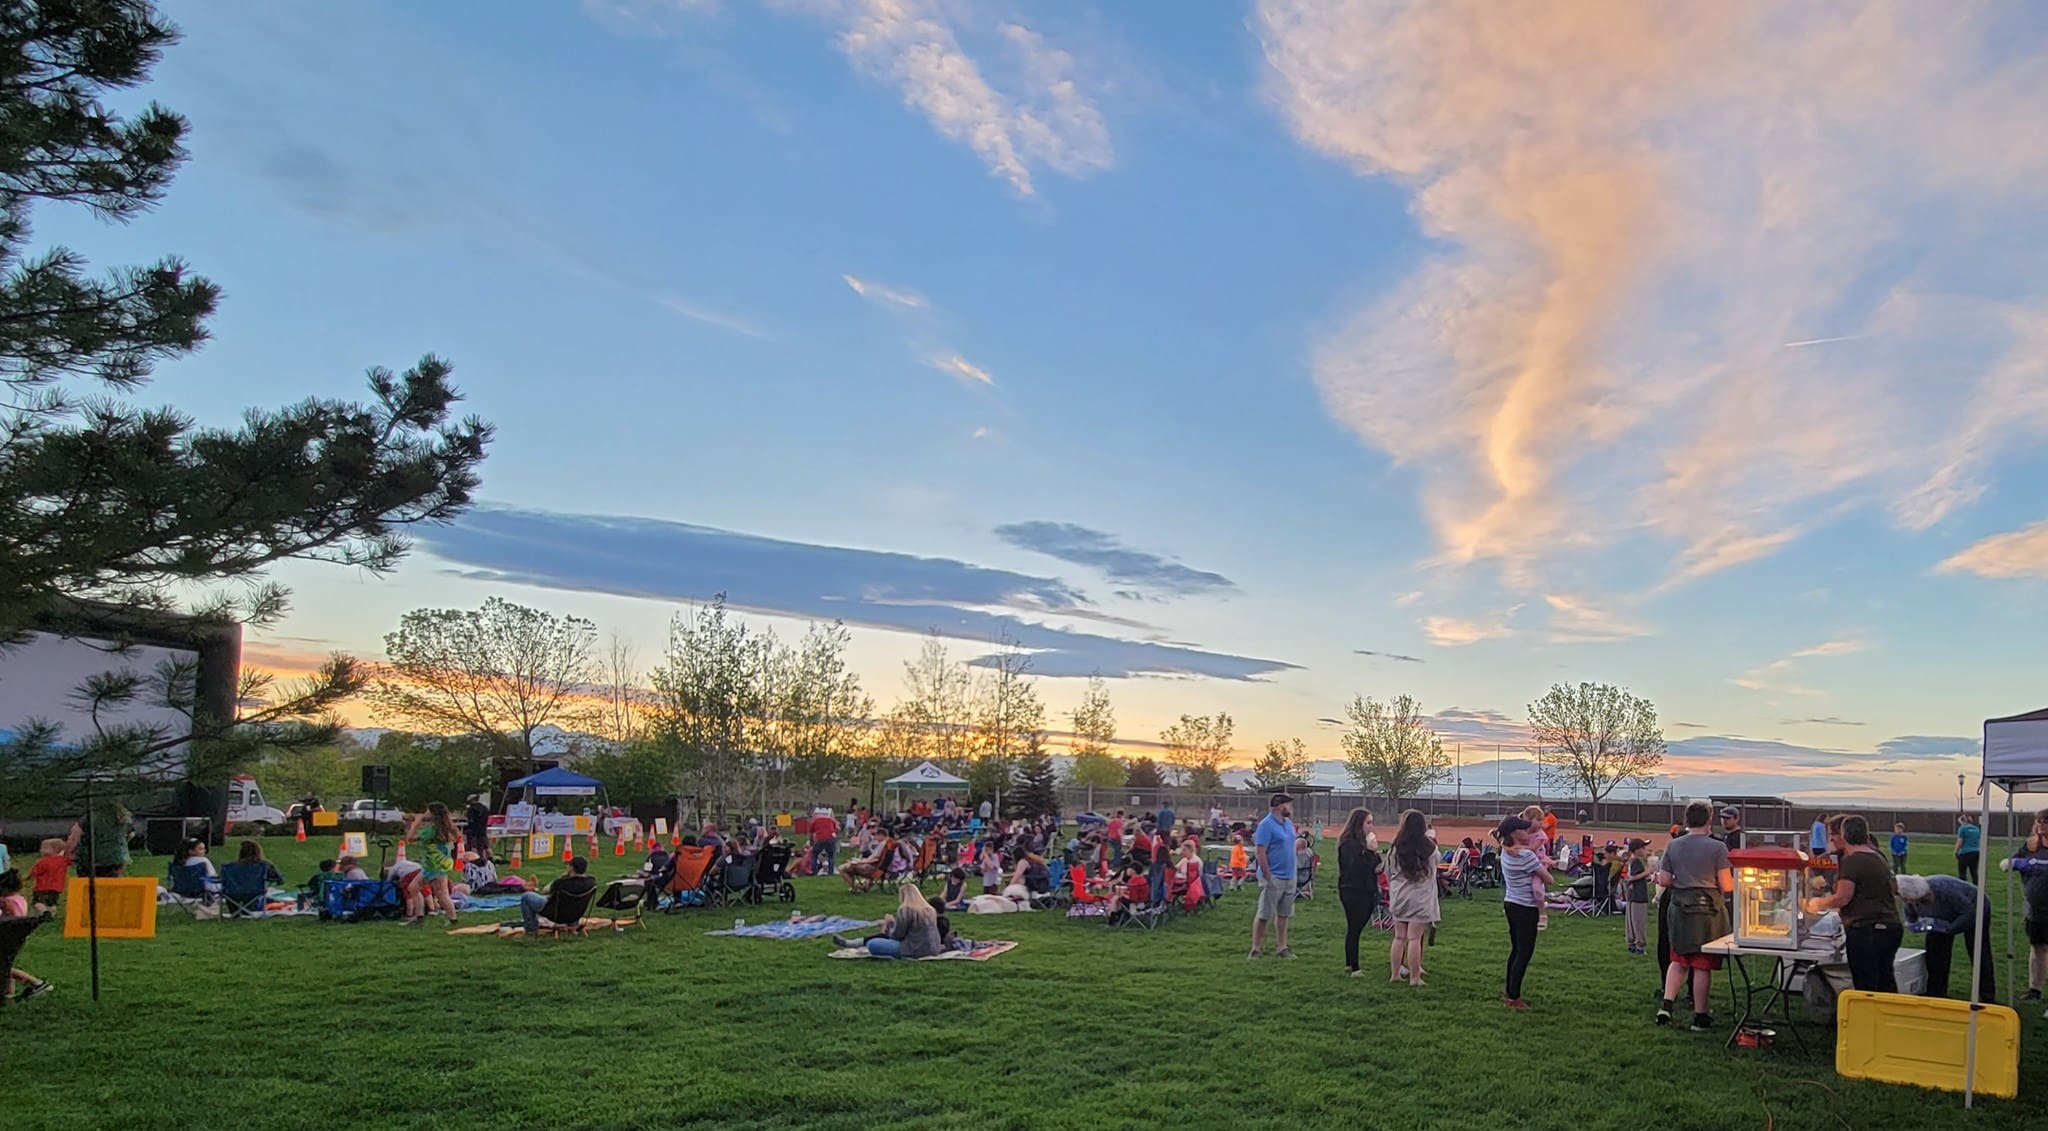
(2015, 760)
(924, 775)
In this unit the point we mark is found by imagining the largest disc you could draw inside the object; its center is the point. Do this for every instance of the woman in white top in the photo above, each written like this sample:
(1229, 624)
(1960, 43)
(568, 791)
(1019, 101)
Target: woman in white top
(1411, 895)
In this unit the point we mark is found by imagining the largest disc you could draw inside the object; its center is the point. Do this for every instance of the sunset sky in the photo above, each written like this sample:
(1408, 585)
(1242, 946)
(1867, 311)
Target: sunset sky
(1252, 356)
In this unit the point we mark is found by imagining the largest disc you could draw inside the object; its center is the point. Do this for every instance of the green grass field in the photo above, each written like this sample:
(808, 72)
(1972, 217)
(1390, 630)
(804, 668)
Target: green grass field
(298, 1023)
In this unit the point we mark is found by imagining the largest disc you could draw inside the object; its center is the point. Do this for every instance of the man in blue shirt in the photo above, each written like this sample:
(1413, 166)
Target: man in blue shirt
(1968, 838)
(1274, 844)
(1819, 840)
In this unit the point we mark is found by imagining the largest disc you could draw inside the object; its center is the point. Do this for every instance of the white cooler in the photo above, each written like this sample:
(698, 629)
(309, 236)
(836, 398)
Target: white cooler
(1910, 968)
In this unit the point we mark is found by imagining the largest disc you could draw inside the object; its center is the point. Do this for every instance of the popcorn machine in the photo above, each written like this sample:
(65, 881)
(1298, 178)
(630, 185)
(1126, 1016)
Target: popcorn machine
(1769, 883)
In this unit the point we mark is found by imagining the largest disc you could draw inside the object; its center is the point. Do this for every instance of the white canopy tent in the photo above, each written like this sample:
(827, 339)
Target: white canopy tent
(924, 775)
(2015, 760)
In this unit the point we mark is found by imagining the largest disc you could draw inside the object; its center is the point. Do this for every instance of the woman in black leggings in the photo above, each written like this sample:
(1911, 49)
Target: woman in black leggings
(1867, 894)
(1358, 883)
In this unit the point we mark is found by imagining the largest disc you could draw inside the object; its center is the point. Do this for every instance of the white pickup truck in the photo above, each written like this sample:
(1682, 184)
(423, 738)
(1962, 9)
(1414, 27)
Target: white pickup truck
(367, 810)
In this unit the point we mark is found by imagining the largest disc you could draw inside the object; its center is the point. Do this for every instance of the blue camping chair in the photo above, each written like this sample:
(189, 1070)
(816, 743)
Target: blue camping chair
(245, 885)
(351, 901)
(192, 888)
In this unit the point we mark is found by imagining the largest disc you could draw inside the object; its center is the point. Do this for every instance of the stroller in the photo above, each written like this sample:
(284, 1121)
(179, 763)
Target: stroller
(1305, 875)
(771, 875)
(354, 901)
(737, 880)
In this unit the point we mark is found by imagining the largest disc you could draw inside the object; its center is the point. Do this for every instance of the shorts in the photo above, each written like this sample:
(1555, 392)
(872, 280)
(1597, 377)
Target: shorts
(2037, 929)
(1697, 961)
(1276, 897)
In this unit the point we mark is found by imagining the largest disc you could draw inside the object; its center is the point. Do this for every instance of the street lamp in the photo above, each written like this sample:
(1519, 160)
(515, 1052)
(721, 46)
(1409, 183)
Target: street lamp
(1959, 793)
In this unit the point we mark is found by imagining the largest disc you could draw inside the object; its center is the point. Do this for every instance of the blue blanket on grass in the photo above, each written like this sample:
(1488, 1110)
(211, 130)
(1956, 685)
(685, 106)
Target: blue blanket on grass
(808, 927)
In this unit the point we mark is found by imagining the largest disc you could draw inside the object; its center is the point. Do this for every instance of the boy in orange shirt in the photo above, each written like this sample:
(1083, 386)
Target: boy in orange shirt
(46, 876)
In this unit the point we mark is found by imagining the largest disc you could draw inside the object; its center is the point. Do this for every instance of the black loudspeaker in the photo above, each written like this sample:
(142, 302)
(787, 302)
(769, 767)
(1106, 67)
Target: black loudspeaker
(376, 782)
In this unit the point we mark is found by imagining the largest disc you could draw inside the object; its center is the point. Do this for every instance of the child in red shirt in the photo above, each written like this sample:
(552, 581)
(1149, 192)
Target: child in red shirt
(46, 877)
(1136, 890)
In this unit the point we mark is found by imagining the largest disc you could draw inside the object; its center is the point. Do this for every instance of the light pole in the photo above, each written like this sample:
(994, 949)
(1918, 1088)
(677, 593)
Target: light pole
(1959, 793)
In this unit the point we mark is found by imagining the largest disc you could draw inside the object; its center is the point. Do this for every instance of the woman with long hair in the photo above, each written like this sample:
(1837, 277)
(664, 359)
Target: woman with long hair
(1358, 884)
(1411, 896)
(1867, 896)
(912, 932)
(437, 857)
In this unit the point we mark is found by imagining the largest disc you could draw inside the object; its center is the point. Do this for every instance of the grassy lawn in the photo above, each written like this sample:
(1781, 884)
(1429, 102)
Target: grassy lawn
(298, 1023)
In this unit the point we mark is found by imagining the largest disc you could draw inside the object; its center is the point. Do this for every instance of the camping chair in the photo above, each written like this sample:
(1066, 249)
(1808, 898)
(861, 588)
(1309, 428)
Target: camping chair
(191, 888)
(245, 888)
(1603, 890)
(570, 912)
(14, 931)
(1212, 883)
(1149, 915)
(1578, 898)
(629, 897)
(927, 858)
(1058, 893)
(894, 873)
(353, 901)
(690, 884)
(737, 880)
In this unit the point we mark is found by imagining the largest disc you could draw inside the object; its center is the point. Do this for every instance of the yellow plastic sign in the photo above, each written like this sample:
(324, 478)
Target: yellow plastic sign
(582, 825)
(355, 844)
(127, 908)
(540, 844)
(326, 819)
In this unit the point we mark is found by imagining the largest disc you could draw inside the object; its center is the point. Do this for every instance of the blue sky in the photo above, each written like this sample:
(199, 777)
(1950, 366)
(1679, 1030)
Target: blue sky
(1233, 351)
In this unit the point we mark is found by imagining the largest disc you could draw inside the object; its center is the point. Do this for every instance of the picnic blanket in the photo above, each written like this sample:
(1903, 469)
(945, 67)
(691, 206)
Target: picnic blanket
(976, 952)
(487, 902)
(808, 927)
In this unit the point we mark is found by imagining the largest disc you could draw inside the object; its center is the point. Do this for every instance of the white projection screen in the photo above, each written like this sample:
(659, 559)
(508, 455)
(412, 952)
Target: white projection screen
(39, 679)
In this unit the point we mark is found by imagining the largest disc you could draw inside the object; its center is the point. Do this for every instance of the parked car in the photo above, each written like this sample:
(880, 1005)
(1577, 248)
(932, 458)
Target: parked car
(365, 809)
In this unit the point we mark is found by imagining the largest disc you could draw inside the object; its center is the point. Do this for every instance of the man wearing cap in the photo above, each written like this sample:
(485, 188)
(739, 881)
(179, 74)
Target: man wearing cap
(1730, 832)
(1274, 842)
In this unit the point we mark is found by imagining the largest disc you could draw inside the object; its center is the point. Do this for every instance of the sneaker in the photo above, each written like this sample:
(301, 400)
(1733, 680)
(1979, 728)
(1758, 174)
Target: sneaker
(1285, 952)
(1702, 1022)
(2031, 995)
(1254, 954)
(1664, 1015)
(413, 922)
(34, 989)
(842, 942)
(1517, 1004)
(1358, 973)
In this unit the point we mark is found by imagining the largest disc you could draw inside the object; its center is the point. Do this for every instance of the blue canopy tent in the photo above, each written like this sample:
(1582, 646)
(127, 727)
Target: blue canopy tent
(558, 782)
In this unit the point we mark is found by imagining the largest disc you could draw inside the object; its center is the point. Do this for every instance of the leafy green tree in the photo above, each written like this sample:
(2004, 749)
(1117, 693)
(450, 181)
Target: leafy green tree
(426, 767)
(331, 772)
(107, 506)
(1390, 750)
(1196, 746)
(1595, 736)
(711, 693)
(499, 673)
(642, 771)
(1143, 773)
(1285, 763)
(1094, 728)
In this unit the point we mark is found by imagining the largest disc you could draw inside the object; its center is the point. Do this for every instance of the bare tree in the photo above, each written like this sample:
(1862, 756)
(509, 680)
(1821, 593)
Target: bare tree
(1197, 746)
(623, 696)
(500, 672)
(935, 704)
(1390, 750)
(1595, 736)
(1007, 712)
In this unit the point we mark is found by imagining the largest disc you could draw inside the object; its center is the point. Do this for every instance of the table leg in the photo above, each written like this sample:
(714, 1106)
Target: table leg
(1748, 998)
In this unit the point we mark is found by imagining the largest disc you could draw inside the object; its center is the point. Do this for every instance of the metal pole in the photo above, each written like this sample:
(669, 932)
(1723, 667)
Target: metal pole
(1977, 959)
(92, 890)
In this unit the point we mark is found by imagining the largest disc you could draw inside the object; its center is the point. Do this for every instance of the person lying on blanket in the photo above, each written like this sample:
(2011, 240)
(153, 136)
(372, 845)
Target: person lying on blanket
(912, 932)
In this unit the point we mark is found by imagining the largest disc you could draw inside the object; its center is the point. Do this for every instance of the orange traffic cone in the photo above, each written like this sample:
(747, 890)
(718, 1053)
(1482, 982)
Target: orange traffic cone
(567, 852)
(675, 839)
(302, 831)
(518, 860)
(401, 849)
(619, 847)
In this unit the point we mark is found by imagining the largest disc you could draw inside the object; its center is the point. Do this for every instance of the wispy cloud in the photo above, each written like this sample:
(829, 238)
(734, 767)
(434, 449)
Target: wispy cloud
(880, 292)
(1449, 632)
(711, 317)
(962, 368)
(1635, 208)
(1575, 620)
(672, 561)
(1027, 110)
(1389, 656)
(1408, 598)
(1140, 569)
(2015, 554)
(1829, 721)
(1776, 676)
